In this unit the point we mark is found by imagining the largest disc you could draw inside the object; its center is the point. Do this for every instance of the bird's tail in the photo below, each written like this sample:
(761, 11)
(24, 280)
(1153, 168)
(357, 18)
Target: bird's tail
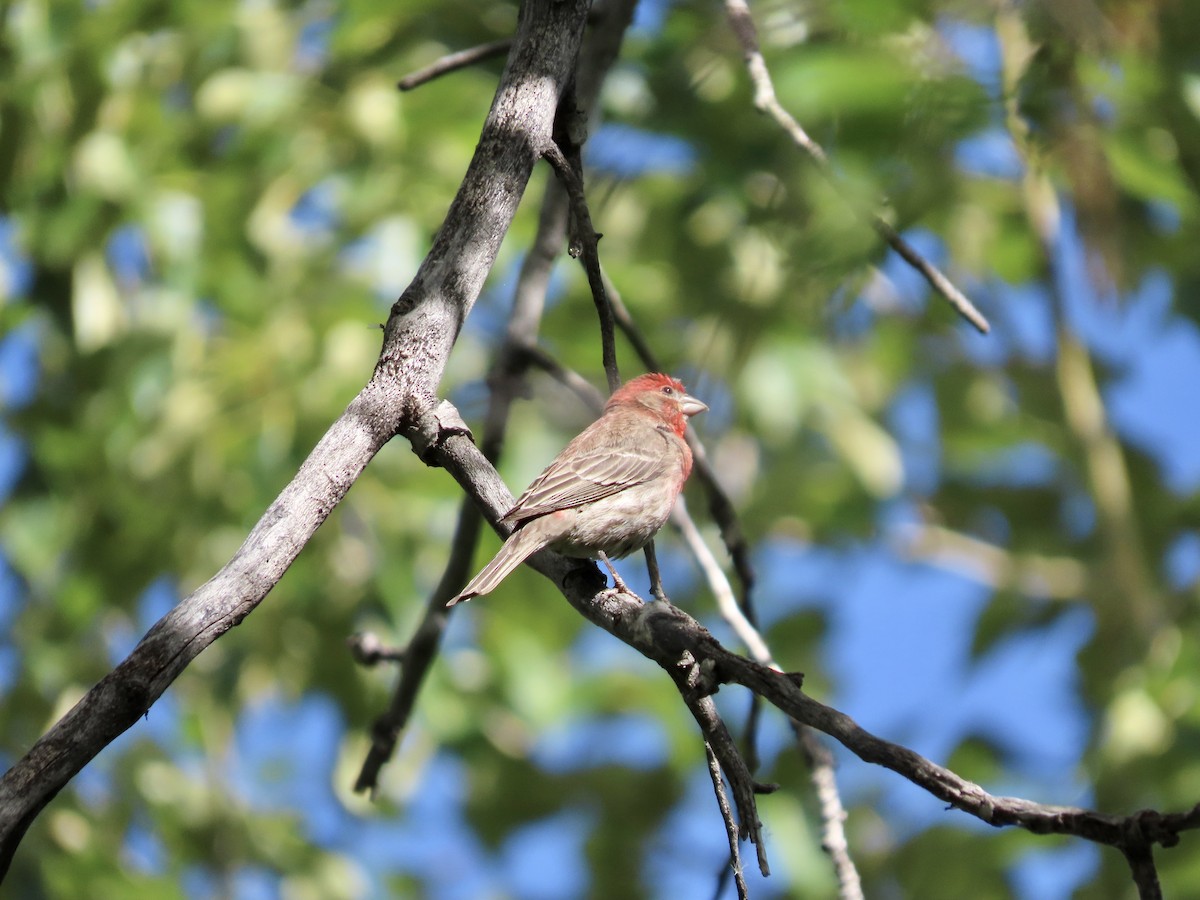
(521, 544)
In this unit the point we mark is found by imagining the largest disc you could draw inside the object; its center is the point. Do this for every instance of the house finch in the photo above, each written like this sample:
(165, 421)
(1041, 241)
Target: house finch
(610, 489)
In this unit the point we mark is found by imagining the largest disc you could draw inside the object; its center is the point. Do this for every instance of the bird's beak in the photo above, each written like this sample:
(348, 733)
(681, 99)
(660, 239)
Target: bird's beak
(690, 405)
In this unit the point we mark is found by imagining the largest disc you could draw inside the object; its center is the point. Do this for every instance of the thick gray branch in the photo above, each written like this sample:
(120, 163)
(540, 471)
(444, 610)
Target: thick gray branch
(128, 691)
(424, 324)
(426, 319)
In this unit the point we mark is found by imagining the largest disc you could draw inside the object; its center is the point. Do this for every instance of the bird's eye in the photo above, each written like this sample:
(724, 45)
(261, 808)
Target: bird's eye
(668, 390)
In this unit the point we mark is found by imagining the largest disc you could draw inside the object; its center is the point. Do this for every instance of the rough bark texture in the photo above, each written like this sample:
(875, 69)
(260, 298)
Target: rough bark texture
(419, 335)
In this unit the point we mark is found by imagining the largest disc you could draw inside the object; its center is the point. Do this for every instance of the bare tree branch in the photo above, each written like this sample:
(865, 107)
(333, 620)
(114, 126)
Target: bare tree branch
(677, 642)
(519, 350)
(1140, 857)
(452, 62)
(400, 396)
(727, 604)
(695, 686)
(833, 814)
(818, 757)
(731, 828)
(588, 251)
(420, 652)
(569, 378)
(767, 102)
(368, 650)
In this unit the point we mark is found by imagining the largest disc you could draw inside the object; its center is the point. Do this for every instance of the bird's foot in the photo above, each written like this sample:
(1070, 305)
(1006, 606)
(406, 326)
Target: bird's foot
(656, 587)
(619, 585)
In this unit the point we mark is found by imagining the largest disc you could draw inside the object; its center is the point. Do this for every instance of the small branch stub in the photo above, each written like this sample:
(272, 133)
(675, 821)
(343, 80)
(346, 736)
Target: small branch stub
(432, 429)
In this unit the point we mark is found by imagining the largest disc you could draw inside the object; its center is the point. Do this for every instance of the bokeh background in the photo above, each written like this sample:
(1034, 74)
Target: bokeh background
(986, 548)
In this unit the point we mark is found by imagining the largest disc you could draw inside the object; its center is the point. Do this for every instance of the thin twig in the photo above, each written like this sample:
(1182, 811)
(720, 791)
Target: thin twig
(569, 378)
(731, 828)
(1140, 856)
(420, 653)
(625, 322)
(369, 650)
(833, 814)
(589, 254)
(452, 62)
(766, 101)
(1149, 826)
(750, 733)
(818, 757)
(695, 686)
(727, 603)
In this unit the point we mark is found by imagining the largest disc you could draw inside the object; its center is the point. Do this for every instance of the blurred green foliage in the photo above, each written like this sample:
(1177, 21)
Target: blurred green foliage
(218, 202)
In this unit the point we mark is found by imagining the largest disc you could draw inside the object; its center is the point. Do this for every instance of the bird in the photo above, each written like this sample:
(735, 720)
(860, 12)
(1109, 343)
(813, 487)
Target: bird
(610, 489)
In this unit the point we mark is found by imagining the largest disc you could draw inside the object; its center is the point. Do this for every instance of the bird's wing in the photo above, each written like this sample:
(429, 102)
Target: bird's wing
(581, 474)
